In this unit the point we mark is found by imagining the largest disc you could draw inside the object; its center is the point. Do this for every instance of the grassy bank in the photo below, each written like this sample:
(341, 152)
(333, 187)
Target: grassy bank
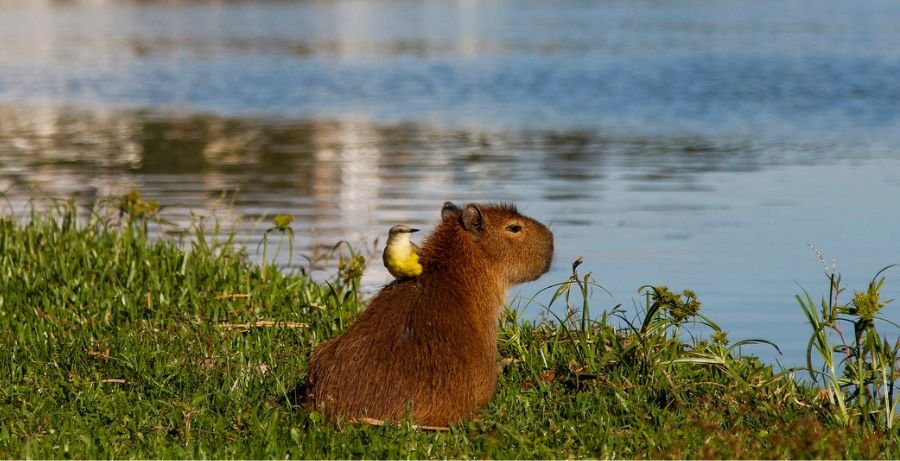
(116, 345)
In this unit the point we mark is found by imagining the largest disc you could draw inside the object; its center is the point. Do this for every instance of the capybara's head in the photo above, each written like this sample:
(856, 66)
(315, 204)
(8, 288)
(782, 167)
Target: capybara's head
(515, 246)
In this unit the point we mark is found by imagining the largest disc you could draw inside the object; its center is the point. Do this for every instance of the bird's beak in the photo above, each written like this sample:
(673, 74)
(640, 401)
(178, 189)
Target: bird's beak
(413, 230)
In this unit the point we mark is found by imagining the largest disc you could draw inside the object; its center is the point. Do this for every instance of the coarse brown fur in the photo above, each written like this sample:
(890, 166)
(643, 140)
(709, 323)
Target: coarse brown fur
(427, 347)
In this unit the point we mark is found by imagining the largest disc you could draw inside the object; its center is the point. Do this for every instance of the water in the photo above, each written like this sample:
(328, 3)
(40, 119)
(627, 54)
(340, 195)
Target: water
(698, 144)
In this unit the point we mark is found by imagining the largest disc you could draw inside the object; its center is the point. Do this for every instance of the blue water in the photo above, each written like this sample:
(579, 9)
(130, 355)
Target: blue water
(699, 144)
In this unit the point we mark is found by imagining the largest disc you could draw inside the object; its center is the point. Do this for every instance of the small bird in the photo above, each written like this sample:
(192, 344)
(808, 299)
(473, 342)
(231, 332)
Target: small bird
(401, 257)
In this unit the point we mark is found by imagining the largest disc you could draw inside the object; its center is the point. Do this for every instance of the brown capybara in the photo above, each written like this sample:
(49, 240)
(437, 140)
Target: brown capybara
(426, 347)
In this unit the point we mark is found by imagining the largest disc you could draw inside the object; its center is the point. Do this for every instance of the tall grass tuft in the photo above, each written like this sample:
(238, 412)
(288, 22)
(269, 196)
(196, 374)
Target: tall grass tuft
(859, 366)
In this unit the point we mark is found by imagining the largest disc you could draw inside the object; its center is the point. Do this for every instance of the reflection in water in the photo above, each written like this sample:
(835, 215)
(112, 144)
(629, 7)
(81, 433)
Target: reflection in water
(335, 173)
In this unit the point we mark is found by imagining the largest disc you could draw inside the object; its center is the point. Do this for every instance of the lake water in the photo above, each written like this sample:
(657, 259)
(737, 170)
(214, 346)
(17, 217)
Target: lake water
(697, 144)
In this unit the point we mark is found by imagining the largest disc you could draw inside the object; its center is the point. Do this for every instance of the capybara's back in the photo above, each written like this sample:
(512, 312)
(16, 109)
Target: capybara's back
(426, 347)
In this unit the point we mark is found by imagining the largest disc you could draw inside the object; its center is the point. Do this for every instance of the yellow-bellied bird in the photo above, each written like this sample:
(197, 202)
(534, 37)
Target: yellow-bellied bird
(401, 256)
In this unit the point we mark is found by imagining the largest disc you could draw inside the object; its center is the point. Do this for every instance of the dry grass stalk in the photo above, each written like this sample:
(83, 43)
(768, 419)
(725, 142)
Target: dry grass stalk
(379, 422)
(263, 324)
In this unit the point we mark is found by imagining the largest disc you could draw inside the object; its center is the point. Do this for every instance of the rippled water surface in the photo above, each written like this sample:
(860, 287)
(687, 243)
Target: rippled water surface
(698, 144)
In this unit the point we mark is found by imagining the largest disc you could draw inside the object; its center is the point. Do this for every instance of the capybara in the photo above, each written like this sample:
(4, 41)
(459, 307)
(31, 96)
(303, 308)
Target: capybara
(426, 347)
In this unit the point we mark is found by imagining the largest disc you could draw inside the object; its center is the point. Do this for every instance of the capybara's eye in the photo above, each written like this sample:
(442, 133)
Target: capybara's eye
(514, 228)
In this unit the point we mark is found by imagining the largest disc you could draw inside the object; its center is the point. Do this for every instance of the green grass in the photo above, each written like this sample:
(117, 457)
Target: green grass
(113, 344)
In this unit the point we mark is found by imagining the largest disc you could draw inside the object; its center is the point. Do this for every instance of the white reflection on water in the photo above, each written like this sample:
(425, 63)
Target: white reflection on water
(807, 70)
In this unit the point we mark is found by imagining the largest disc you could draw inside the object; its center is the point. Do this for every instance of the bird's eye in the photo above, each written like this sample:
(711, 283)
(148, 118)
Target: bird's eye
(514, 228)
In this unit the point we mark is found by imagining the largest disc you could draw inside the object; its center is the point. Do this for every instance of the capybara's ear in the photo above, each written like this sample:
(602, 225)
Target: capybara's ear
(472, 220)
(449, 209)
